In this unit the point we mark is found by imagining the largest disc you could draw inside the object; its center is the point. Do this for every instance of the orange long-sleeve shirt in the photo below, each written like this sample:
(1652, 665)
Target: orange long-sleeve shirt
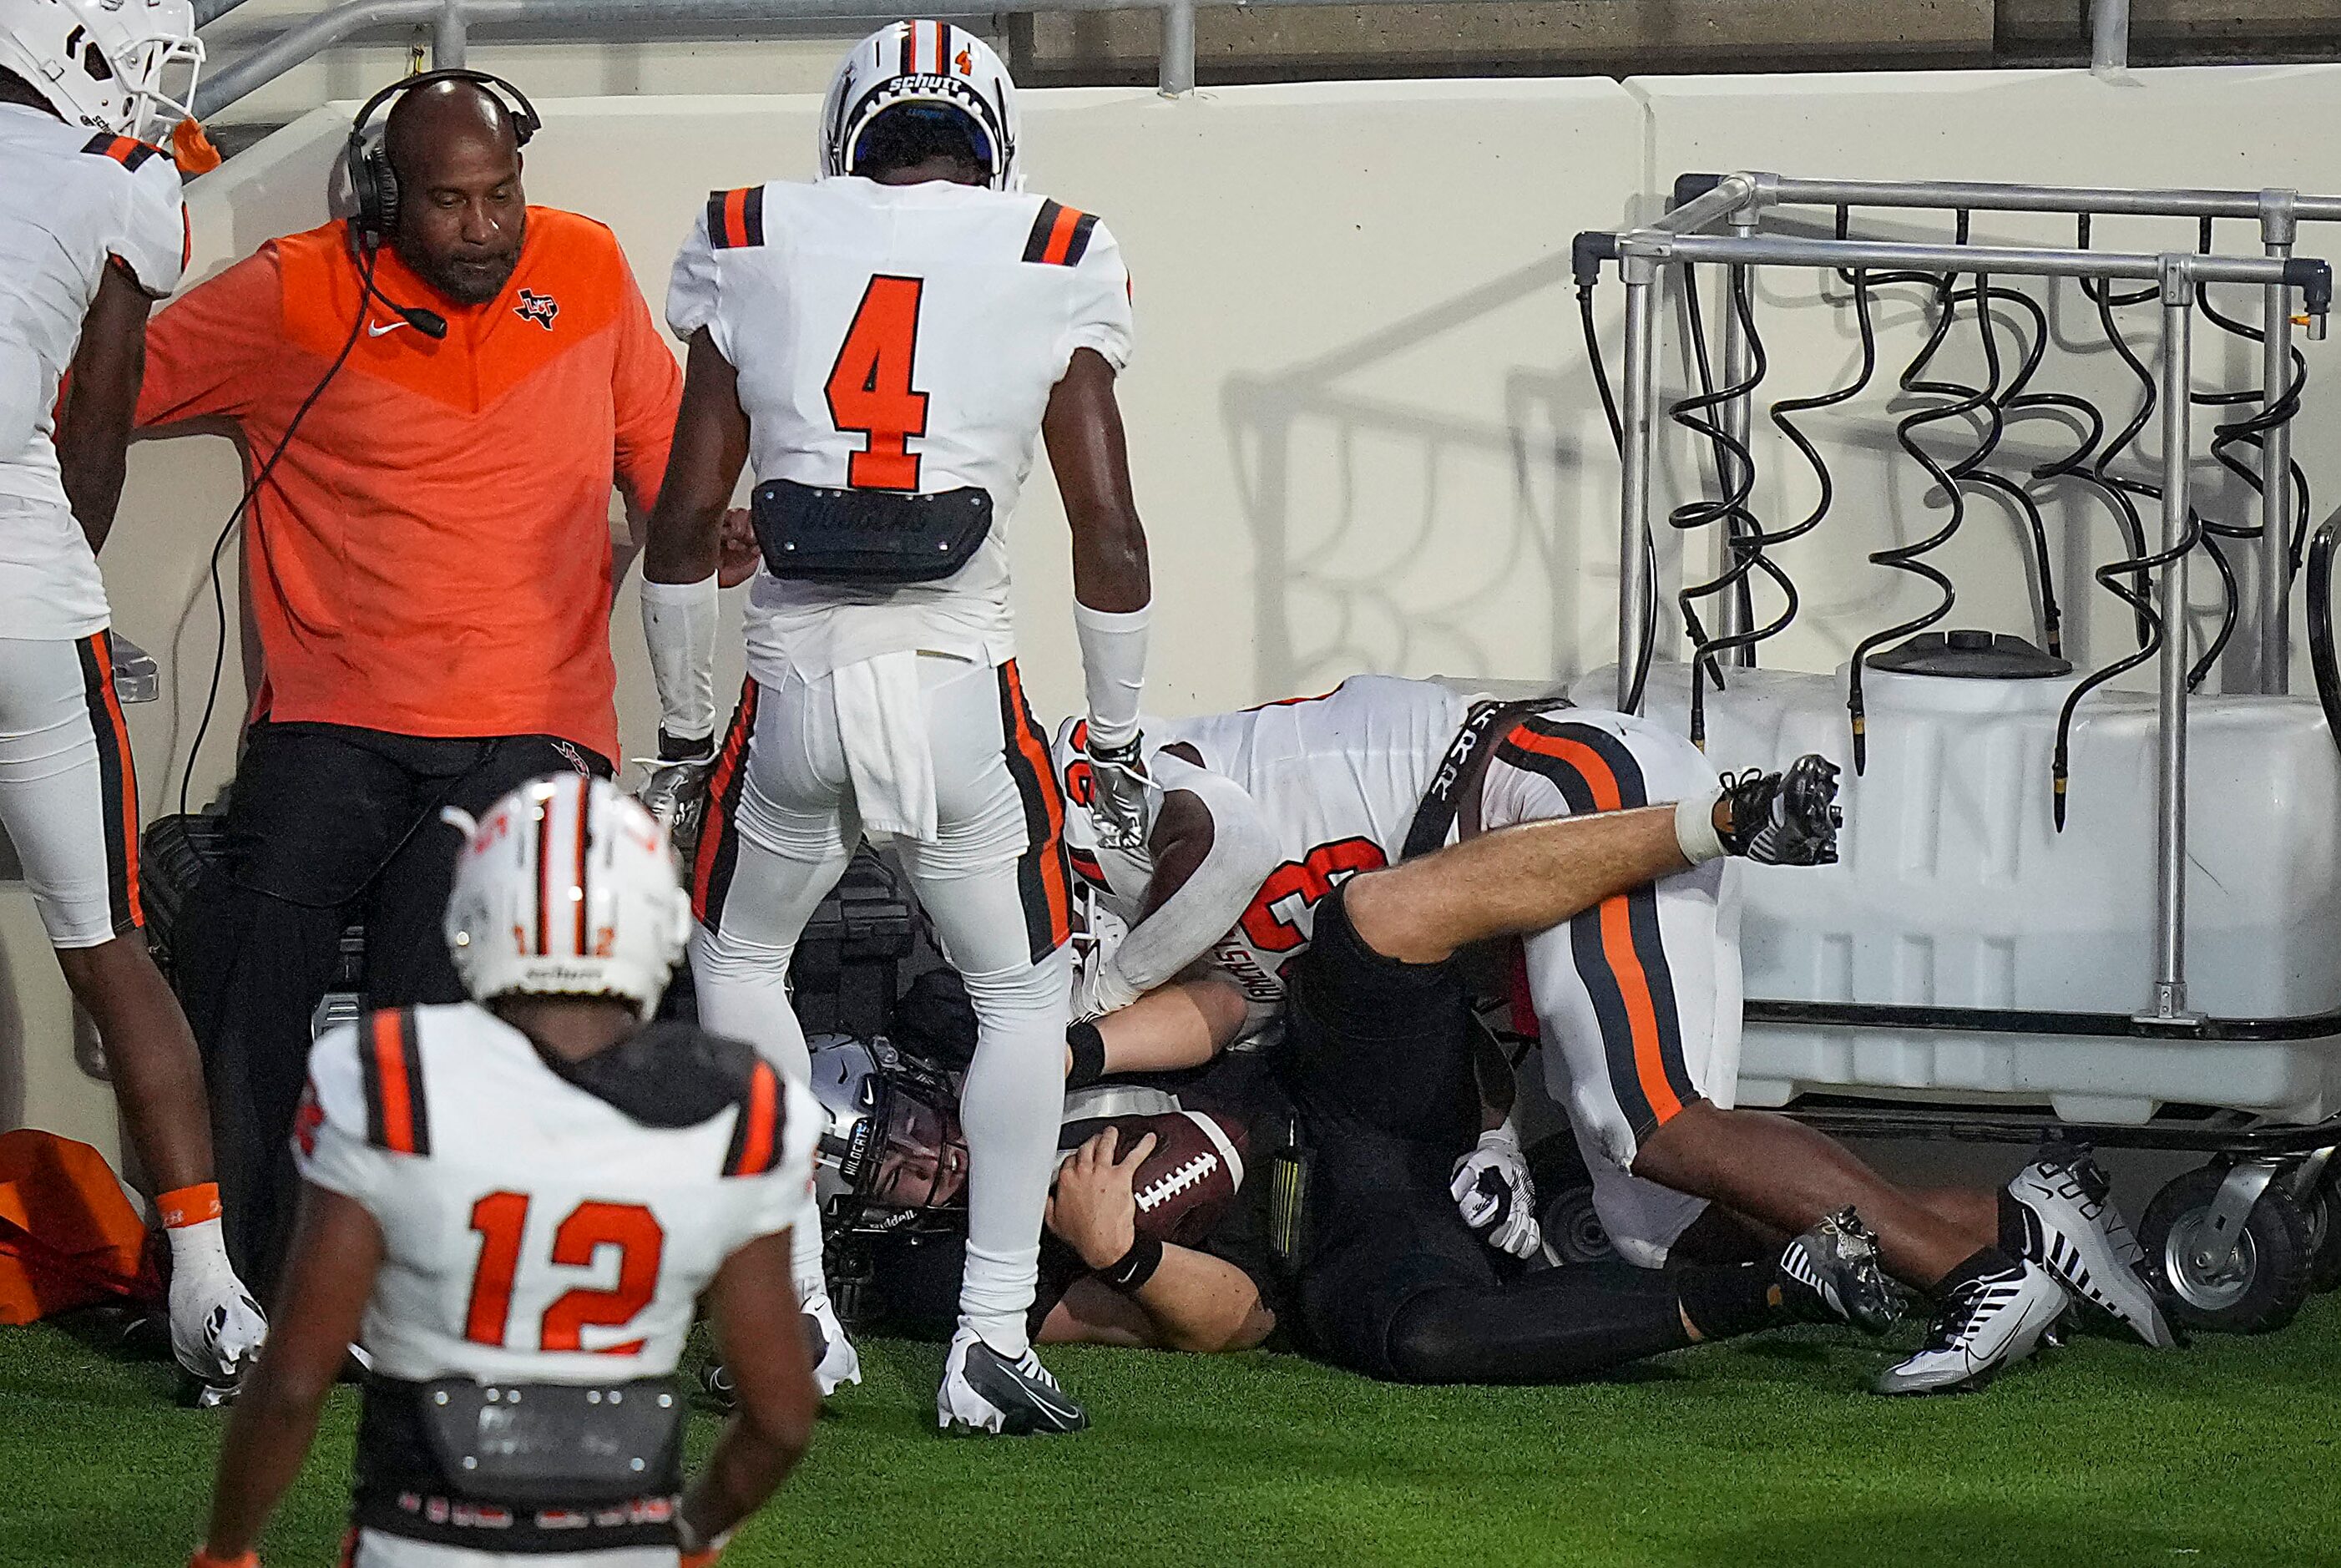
(430, 555)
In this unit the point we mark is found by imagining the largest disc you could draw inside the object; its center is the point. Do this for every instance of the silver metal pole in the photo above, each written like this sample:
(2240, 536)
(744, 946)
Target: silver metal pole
(1177, 70)
(2276, 491)
(2169, 1000)
(449, 37)
(1738, 418)
(1730, 194)
(1987, 196)
(1782, 250)
(2110, 37)
(1640, 388)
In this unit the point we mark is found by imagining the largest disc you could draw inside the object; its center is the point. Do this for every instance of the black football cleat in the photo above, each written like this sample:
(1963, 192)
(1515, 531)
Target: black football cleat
(1830, 1274)
(1788, 818)
(984, 1391)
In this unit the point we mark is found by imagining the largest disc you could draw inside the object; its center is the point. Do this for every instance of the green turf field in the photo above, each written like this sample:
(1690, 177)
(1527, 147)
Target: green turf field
(1762, 1453)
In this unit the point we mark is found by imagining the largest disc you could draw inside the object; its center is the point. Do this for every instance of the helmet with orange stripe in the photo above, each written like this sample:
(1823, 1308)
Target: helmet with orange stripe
(566, 887)
(127, 66)
(908, 71)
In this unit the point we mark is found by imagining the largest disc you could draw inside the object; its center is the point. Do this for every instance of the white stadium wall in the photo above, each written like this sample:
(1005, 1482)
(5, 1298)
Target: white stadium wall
(1360, 422)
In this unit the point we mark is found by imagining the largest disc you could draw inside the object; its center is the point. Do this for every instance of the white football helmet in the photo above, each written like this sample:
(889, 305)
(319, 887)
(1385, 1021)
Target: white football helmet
(567, 888)
(128, 66)
(930, 62)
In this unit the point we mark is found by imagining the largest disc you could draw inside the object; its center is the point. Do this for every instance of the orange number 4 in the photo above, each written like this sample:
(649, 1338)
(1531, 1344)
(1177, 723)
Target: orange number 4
(869, 387)
(500, 1218)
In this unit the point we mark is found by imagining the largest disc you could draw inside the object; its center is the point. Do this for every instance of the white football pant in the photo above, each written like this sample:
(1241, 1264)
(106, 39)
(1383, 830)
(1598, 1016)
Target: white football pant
(782, 823)
(1639, 998)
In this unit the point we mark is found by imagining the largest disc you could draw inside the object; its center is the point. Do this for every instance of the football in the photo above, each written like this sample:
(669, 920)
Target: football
(1193, 1173)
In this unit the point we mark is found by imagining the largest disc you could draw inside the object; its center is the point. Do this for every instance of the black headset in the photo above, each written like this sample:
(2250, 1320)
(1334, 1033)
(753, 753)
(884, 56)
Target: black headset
(372, 185)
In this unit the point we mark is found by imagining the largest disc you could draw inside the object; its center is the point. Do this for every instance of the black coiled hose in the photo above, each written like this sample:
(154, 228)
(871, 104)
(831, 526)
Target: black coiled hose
(1641, 673)
(2250, 431)
(1745, 540)
(2129, 579)
(2320, 625)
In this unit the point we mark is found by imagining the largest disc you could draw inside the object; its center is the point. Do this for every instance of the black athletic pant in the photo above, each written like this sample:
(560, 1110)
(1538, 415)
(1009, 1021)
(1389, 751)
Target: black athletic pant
(1377, 1060)
(327, 825)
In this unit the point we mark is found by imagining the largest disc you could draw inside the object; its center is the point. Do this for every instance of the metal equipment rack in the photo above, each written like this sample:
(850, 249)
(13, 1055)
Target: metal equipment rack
(2216, 1245)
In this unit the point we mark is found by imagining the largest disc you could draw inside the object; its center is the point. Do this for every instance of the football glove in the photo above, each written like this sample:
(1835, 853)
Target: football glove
(204, 1559)
(674, 789)
(1118, 797)
(1496, 1195)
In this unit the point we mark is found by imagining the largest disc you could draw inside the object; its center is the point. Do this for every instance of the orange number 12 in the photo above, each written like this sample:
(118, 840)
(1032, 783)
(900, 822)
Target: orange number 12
(869, 387)
(500, 1218)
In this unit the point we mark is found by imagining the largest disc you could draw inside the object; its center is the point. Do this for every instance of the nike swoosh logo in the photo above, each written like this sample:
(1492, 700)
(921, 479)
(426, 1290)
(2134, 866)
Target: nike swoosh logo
(375, 329)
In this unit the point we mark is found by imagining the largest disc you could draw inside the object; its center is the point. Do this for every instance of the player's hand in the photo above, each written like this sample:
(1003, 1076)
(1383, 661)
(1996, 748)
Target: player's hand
(1099, 988)
(675, 788)
(1495, 1194)
(205, 1558)
(699, 1552)
(1118, 796)
(738, 552)
(1093, 1209)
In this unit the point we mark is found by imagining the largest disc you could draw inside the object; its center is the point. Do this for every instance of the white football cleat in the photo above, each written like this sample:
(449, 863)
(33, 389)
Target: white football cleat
(217, 1328)
(2073, 1230)
(984, 1391)
(835, 1361)
(1983, 1325)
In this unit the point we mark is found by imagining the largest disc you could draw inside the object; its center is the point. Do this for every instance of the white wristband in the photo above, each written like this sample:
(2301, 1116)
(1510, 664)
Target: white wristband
(679, 624)
(1695, 828)
(1113, 670)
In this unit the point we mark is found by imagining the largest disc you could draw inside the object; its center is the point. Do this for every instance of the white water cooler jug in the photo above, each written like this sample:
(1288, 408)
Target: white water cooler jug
(1954, 890)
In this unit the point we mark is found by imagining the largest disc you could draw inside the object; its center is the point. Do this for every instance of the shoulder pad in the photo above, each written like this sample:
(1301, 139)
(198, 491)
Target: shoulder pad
(1060, 237)
(129, 151)
(666, 1074)
(735, 219)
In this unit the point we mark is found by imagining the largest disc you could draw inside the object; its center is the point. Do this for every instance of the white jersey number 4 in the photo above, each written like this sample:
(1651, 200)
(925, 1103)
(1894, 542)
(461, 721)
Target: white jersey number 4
(869, 388)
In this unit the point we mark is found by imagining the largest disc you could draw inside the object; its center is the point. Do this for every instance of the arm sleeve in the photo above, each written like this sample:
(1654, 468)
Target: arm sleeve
(155, 239)
(329, 1141)
(204, 352)
(695, 290)
(646, 390)
(1100, 315)
(1208, 905)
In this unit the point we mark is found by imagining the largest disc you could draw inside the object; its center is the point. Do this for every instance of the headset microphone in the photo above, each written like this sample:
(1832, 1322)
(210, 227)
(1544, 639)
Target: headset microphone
(429, 323)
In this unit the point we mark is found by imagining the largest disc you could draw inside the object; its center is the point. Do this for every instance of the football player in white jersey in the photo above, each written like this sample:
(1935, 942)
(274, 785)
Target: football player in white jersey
(886, 346)
(514, 1207)
(92, 231)
(1637, 997)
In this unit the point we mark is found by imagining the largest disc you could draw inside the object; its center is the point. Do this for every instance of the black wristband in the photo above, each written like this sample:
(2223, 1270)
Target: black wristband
(1087, 1048)
(683, 749)
(1135, 1268)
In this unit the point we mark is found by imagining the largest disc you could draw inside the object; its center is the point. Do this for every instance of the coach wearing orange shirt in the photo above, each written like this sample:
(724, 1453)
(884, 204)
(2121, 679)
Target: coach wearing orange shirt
(429, 567)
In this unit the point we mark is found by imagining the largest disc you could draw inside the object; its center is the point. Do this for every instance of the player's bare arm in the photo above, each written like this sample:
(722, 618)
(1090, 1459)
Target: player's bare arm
(685, 549)
(710, 448)
(1187, 1299)
(102, 396)
(1112, 585)
(336, 1249)
(754, 1307)
(1090, 458)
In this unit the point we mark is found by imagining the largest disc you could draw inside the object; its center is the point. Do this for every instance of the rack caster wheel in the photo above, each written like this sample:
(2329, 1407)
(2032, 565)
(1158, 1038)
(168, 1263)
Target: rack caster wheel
(2323, 1210)
(1572, 1231)
(2257, 1286)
